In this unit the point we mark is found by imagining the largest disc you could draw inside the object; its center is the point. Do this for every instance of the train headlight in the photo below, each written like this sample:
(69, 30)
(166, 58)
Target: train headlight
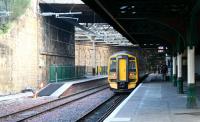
(131, 75)
(113, 75)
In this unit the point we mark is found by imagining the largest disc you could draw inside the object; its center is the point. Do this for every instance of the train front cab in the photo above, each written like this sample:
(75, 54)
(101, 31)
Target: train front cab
(122, 73)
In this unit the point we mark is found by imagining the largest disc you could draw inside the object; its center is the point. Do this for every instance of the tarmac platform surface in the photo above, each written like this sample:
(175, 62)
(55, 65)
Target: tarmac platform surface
(53, 89)
(57, 89)
(155, 101)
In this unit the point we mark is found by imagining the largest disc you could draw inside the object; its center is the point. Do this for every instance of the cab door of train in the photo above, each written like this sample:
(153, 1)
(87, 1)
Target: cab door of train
(122, 69)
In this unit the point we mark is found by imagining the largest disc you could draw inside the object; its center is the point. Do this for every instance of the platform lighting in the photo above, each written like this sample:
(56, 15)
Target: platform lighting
(135, 45)
(123, 7)
(160, 47)
(123, 12)
(133, 12)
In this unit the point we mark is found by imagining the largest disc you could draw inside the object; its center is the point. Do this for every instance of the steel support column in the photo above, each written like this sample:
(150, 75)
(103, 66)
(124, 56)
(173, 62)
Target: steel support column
(174, 71)
(167, 62)
(93, 57)
(171, 69)
(191, 42)
(191, 96)
(180, 78)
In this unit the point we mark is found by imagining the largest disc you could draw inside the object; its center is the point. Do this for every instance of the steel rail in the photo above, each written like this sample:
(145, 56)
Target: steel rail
(117, 98)
(94, 89)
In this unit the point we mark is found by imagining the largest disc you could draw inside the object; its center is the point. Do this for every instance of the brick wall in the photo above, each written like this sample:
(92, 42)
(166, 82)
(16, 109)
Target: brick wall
(84, 54)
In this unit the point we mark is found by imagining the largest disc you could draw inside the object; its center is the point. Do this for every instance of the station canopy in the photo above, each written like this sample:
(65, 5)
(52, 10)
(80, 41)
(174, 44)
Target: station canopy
(89, 26)
(144, 23)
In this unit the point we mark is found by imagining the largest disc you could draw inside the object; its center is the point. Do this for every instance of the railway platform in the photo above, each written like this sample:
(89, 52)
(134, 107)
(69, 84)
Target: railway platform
(53, 89)
(155, 100)
(57, 89)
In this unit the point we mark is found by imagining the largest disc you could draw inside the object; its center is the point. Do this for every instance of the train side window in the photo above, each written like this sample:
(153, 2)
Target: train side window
(113, 65)
(132, 65)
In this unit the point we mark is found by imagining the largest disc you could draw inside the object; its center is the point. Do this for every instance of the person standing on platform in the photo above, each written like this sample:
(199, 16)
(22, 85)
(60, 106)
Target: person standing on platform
(164, 71)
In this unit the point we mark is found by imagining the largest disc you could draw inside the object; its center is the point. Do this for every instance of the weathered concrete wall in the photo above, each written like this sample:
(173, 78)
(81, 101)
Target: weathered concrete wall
(57, 46)
(84, 54)
(18, 60)
(30, 47)
(5, 67)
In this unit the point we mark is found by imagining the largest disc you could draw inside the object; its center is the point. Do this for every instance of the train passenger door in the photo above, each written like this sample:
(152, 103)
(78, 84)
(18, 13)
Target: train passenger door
(122, 69)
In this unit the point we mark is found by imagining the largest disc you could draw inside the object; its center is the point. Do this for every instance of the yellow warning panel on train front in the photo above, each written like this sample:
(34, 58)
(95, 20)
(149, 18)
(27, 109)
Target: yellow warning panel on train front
(122, 69)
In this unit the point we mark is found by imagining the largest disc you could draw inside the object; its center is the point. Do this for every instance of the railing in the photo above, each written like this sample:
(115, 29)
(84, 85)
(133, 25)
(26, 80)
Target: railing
(59, 73)
(101, 70)
(62, 73)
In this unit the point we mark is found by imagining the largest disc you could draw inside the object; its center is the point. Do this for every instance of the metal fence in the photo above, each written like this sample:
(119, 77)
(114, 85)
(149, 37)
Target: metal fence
(59, 73)
(63, 73)
(101, 70)
(88, 70)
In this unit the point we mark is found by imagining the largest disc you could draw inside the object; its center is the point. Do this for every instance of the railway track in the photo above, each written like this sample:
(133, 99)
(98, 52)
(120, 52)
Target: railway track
(101, 112)
(46, 107)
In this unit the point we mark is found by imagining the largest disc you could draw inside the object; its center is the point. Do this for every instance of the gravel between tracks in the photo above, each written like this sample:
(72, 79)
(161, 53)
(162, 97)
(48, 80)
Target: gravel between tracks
(14, 105)
(83, 86)
(73, 111)
(10, 106)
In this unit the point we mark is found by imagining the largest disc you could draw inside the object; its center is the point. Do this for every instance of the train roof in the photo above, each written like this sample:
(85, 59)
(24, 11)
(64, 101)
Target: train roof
(122, 53)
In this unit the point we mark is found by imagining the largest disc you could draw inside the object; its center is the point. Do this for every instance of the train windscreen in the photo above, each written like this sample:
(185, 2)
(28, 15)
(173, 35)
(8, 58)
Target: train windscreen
(113, 65)
(132, 66)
